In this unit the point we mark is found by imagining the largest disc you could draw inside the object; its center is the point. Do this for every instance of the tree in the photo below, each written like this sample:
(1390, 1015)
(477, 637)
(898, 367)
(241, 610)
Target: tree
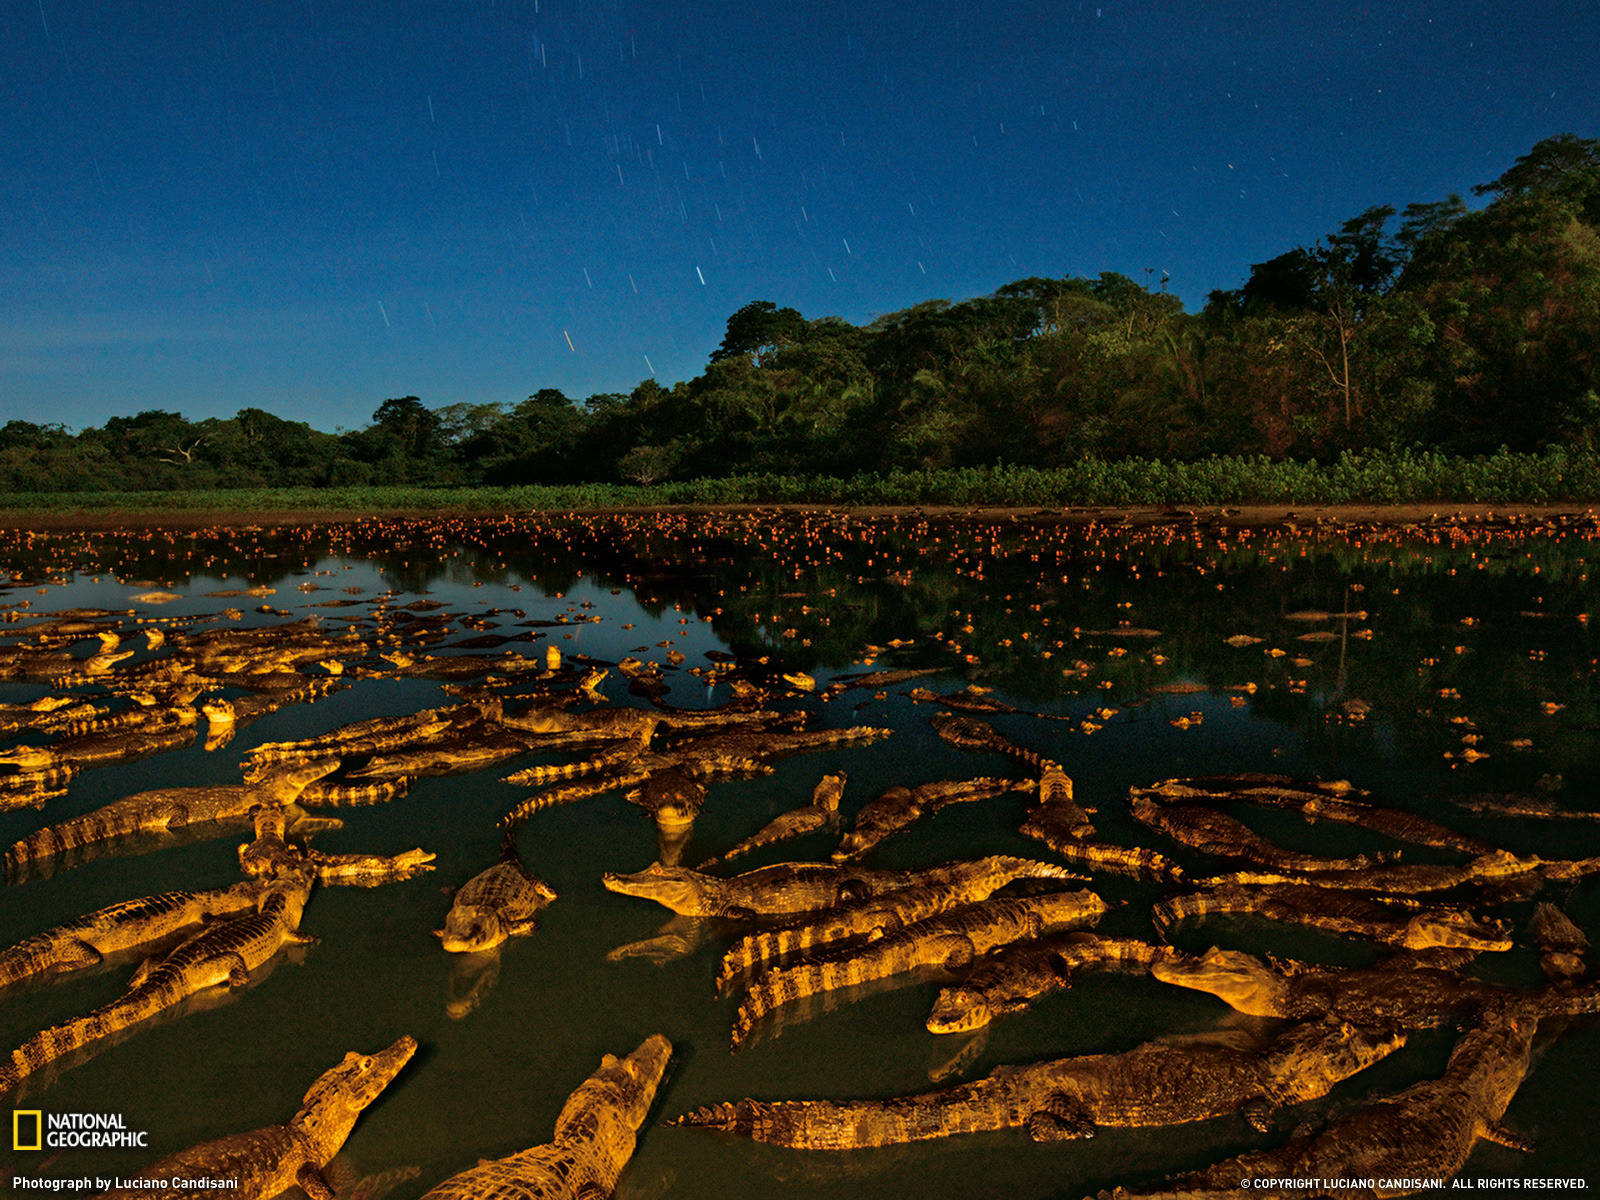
(759, 330)
(1551, 166)
(404, 428)
(1513, 295)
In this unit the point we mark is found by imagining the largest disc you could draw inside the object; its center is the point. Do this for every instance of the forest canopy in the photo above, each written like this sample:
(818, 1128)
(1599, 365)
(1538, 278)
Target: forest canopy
(1433, 327)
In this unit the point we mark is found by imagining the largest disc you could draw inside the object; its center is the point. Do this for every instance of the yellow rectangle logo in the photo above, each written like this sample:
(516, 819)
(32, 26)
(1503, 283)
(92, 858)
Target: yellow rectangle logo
(22, 1121)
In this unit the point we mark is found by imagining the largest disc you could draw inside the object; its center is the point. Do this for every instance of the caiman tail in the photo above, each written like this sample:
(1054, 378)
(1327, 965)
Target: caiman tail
(55, 1043)
(1134, 861)
(882, 915)
(225, 953)
(40, 953)
(568, 794)
(334, 795)
(1179, 908)
(54, 840)
(948, 941)
(80, 943)
(978, 1107)
(785, 985)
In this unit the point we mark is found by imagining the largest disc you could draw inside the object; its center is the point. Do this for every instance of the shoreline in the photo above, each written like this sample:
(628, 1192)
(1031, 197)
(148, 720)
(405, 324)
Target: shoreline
(1292, 518)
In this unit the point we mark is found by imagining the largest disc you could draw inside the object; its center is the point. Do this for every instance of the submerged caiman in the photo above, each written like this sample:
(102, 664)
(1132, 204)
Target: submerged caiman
(1413, 1140)
(948, 941)
(1211, 832)
(225, 953)
(1399, 923)
(267, 1162)
(1400, 998)
(1010, 978)
(876, 915)
(595, 1136)
(1316, 801)
(1158, 1083)
(899, 807)
(822, 812)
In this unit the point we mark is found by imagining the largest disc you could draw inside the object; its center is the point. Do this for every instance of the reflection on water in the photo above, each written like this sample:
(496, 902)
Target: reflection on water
(1447, 673)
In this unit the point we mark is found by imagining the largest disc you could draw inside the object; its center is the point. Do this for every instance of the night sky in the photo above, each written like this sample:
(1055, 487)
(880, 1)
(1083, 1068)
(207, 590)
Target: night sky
(309, 206)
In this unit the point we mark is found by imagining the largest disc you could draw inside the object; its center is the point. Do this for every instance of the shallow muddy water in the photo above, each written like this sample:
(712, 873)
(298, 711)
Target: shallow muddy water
(1435, 668)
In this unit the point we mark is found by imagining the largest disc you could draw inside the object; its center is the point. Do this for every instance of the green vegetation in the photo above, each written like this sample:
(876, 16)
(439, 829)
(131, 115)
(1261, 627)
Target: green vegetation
(1448, 355)
(1386, 478)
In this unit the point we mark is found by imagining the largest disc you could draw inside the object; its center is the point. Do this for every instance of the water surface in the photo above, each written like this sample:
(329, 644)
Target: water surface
(1429, 666)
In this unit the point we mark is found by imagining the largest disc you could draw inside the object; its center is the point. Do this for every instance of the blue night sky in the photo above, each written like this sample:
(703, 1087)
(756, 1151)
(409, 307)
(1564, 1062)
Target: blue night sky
(310, 206)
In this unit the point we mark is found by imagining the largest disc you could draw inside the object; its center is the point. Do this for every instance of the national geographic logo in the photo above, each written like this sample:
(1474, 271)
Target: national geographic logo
(34, 1129)
(27, 1129)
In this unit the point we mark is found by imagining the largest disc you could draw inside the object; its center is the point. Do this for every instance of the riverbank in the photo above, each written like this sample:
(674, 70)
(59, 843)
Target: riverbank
(1251, 516)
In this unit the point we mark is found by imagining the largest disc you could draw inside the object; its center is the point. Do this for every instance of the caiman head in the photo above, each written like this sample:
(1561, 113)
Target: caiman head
(959, 1010)
(470, 928)
(288, 781)
(829, 791)
(337, 1098)
(1244, 981)
(220, 716)
(1307, 1060)
(623, 1087)
(676, 888)
(29, 758)
(673, 795)
(1451, 927)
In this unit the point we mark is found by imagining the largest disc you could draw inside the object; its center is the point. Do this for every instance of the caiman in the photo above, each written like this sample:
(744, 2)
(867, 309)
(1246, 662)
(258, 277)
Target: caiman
(1211, 832)
(1316, 800)
(1056, 819)
(1412, 1140)
(272, 856)
(672, 795)
(224, 953)
(898, 807)
(779, 890)
(594, 1138)
(1397, 922)
(266, 1162)
(1158, 1083)
(44, 715)
(821, 813)
(1053, 825)
(949, 941)
(783, 889)
(449, 755)
(495, 904)
(1500, 867)
(164, 809)
(224, 718)
(166, 729)
(324, 794)
(1562, 943)
(30, 786)
(128, 927)
(665, 783)
(1057, 811)
(373, 736)
(1009, 979)
(1370, 996)
(874, 916)
(767, 744)
(972, 699)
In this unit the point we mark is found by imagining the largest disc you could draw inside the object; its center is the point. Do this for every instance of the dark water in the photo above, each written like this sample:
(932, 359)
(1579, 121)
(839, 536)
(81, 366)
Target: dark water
(1448, 637)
